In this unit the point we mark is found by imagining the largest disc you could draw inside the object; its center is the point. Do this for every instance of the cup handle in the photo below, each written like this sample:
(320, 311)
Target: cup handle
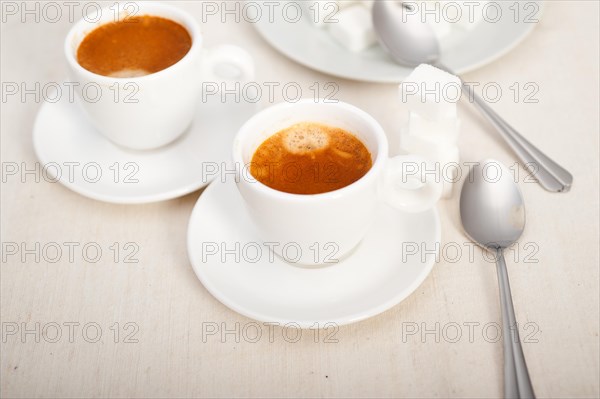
(409, 184)
(227, 63)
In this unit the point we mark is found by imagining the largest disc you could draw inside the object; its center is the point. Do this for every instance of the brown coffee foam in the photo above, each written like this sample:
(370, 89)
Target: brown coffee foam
(305, 137)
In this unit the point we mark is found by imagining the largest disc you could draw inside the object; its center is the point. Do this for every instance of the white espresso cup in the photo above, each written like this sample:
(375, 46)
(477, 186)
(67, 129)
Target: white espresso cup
(149, 111)
(323, 228)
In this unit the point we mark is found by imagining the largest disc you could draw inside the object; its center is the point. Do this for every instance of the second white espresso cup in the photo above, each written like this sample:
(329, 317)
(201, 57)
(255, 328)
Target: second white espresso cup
(153, 110)
(323, 228)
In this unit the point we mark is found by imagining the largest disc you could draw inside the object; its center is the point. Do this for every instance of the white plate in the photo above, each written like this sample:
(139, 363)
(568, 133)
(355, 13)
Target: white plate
(462, 51)
(73, 152)
(372, 279)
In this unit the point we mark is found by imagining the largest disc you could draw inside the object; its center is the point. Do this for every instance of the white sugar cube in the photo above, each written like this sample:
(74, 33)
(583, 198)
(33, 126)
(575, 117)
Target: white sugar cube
(449, 170)
(424, 147)
(324, 12)
(443, 131)
(354, 29)
(445, 157)
(431, 93)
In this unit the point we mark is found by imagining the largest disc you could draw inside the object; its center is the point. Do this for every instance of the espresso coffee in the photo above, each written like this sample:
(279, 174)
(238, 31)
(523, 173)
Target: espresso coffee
(135, 46)
(310, 158)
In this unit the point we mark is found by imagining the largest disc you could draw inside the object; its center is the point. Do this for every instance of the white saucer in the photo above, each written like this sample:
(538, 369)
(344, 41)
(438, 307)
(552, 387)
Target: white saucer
(461, 51)
(371, 280)
(62, 135)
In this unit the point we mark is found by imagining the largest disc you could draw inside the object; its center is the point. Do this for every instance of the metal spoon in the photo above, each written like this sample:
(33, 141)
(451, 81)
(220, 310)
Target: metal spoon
(412, 42)
(493, 215)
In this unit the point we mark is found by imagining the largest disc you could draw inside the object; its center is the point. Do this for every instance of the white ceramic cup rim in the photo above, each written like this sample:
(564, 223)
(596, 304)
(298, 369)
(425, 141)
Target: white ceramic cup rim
(146, 8)
(375, 130)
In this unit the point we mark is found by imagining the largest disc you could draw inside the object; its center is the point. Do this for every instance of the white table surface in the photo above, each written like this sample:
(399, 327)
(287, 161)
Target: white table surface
(557, 296)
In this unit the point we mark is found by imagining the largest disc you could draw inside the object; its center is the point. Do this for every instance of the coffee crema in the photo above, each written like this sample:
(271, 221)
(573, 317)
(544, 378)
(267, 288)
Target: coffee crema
(310, 158)
(135, 46)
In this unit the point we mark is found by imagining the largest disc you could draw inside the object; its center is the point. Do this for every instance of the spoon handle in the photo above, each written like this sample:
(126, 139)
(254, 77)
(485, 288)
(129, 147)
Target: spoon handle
(548, 173)
(517, 383)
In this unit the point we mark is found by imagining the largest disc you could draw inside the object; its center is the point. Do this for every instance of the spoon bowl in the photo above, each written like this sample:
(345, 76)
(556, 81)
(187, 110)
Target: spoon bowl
(403, 35)
(491, 206)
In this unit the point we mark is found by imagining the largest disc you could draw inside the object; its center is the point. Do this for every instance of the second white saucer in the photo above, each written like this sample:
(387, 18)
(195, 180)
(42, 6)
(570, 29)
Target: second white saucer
(237, 268)
(76, 155)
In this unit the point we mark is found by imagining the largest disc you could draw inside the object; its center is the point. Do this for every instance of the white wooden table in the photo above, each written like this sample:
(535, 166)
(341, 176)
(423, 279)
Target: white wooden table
(142, 329)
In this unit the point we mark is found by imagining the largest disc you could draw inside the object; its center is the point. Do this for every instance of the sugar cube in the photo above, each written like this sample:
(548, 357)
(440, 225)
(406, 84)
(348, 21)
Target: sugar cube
(431, 93)
(354, 29)
(449, 172)
(445, 157)
(443, 131)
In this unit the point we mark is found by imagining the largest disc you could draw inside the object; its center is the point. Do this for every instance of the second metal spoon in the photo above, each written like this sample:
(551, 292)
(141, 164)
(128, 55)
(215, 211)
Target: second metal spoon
(492, 212)
(412, 42)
